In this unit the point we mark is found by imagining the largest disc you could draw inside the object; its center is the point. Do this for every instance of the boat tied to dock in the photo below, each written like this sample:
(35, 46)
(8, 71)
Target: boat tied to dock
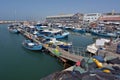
(31, 45)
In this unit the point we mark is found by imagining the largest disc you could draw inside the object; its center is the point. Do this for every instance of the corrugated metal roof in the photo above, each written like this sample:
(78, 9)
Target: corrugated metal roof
(109, 18)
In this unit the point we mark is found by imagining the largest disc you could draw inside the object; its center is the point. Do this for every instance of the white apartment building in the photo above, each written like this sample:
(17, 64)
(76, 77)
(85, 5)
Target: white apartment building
(91, 17)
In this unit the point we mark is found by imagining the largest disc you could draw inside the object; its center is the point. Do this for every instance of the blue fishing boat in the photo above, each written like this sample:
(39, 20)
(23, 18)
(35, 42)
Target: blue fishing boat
(105, 34)
(102, 33)
(65, 46)
(53, 33)
(28, 44)
(80, 30)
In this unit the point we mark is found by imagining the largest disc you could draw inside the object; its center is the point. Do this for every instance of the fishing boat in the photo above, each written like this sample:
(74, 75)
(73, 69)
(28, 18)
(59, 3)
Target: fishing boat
(61, 44)
(98, 45)
(97, 31)
(13, 28)
(28, 44)
(80, 30)
(60, 26)
(68, 27)
(40, 28)
(53, 33)
(102, 32)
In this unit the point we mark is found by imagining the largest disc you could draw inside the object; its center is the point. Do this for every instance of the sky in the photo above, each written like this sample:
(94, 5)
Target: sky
(39, 9)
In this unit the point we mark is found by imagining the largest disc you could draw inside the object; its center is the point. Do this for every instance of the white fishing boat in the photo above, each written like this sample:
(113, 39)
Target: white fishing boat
(54, 33)
(99, 44)
(61, 44)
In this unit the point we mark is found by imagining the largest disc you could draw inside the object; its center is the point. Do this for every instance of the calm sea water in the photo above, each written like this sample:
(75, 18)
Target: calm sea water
(18, 63)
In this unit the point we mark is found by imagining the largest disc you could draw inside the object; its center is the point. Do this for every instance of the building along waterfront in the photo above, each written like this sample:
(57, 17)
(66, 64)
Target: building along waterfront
(66, 19)
(91, 17)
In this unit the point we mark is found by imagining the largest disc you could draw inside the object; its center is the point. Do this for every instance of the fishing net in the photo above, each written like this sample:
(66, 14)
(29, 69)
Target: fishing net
(70, 75)
(64, 75)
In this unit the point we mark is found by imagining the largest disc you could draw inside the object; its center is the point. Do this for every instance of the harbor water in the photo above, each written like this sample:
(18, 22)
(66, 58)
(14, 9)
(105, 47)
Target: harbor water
(18, 63)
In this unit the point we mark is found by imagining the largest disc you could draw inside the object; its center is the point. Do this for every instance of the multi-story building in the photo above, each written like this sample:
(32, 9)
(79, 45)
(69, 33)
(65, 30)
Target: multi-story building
(65, 18)
(91, 17)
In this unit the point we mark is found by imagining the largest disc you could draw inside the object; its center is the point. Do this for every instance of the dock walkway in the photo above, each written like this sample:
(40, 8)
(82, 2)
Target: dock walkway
(64, 54)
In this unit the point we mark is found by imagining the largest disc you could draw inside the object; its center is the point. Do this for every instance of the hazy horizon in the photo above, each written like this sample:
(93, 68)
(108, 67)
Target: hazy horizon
(39, 9)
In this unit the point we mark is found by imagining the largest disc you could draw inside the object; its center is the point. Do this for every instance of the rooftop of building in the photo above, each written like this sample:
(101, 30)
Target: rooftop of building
(110, 17)
(62, 15)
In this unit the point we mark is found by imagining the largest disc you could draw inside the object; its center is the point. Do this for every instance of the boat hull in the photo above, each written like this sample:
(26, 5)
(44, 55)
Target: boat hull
(80, 30)
(58, 36)
(33, 47)
(66, 47)
(92, 49)
(104, 35)
(62, 36)
(13, 30)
